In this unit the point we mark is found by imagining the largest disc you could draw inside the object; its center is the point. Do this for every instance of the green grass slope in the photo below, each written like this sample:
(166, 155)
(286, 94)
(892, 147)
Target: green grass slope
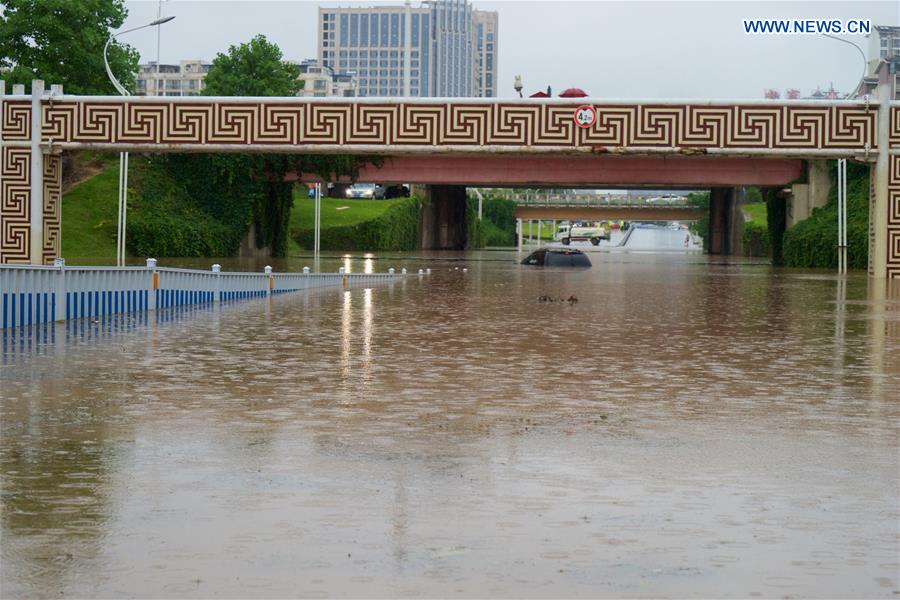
(89, 219)
(336, 212)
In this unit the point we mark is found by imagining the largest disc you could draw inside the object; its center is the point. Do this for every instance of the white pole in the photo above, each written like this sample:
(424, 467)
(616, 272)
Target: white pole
(318, 224)
(119, 211)
(539, 232)
(844, 212)
(842, 215)
(519, 232)
(840, 221)
(124, 208)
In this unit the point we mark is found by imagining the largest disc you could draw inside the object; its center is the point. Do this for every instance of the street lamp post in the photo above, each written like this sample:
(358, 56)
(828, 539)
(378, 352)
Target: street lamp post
(842, 174)
(123, 156)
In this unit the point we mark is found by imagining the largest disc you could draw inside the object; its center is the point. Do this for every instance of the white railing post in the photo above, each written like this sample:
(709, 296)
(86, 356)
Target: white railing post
(217, 286)
(59, 311)
(270, 281)
(153, 284)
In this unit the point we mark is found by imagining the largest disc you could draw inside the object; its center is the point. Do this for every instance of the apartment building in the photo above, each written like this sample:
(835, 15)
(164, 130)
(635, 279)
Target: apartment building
(183, 79)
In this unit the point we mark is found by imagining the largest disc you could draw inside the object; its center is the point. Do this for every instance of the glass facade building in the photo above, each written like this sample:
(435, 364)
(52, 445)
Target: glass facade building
(439, 48)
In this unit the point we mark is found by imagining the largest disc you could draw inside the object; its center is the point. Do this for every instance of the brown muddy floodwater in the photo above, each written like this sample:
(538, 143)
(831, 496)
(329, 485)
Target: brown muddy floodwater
(687, 428)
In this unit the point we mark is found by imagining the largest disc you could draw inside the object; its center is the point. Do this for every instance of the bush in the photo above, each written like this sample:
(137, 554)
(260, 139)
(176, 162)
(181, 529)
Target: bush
(813, 242)
(396, 229)
(755, 239)
(700, 227)
(166, 220)
(497, 226)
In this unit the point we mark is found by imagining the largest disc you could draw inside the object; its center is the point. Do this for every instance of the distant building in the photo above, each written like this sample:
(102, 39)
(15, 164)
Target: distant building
(439, 48)
(188, 79)
(183, 79)
(320, 81)
(884, 44)
(485, 36)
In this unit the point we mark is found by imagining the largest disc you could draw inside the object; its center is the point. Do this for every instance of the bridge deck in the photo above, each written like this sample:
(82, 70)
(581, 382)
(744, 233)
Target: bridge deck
(611, 213)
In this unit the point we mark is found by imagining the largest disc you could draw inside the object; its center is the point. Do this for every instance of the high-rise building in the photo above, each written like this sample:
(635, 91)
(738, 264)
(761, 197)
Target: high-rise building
(439, 48)
(484, 44)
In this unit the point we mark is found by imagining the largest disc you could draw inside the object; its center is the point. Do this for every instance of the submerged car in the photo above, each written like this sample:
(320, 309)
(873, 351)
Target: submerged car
(557, 257)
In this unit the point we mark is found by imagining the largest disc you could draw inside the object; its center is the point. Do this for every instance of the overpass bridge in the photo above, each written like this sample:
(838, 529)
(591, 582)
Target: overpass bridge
(610, 213)
(454, 143)
(554, 206)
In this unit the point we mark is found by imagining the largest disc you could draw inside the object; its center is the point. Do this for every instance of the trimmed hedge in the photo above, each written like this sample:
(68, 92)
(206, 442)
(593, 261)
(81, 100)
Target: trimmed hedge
(813, 242)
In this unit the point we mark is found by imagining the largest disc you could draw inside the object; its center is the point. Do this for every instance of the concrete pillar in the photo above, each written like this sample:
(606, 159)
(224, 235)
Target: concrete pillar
(442, 222)
(36, 236)
(736, 221)
(884, 261)
(813, 193)
(717, 221)
(725, 221)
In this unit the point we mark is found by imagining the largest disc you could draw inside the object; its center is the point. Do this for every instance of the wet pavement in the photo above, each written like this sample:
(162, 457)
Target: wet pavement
(687, 428)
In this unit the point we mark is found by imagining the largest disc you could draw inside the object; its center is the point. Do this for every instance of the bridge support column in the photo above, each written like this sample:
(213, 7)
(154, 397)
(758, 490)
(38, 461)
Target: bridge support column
(725, 221)
(884, 189)
(805, 197)
(442, 222)
(30, 183)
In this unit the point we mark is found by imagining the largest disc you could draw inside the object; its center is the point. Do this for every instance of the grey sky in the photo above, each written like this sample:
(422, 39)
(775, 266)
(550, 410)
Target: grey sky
(611, 49)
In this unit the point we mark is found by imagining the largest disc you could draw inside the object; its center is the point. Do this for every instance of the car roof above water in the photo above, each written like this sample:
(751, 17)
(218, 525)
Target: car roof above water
(557, 257)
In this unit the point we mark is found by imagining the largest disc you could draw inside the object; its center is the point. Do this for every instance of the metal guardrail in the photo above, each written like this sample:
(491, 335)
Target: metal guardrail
(31, 295)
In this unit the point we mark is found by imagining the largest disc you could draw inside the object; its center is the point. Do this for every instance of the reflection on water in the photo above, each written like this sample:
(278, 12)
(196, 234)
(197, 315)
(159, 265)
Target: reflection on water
(687, 428)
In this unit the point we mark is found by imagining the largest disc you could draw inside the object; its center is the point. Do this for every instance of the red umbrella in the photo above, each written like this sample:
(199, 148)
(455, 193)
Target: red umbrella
(574, 93)
(539, 95)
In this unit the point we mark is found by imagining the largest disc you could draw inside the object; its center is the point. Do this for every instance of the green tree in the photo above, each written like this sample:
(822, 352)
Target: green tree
(256, 68)
(61, 41)
(230, 192)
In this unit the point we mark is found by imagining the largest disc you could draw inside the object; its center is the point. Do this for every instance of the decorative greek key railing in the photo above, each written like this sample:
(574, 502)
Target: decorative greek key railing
(31, 295)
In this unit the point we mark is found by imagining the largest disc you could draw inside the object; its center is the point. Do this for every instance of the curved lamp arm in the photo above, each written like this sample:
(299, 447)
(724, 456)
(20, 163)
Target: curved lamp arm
(119, 87)
(858, 49)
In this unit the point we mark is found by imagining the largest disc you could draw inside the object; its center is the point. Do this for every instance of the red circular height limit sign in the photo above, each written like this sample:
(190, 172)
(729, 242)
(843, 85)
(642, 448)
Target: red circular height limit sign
(585, 115)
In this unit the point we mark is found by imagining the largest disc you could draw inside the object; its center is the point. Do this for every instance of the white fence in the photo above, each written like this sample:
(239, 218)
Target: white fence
(30, 295)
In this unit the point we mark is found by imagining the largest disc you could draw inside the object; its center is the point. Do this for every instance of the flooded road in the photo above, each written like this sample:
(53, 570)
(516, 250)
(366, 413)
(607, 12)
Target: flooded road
(687, 428)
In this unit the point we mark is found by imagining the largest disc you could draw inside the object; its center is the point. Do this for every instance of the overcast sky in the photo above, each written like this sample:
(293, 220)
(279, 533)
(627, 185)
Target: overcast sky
(636, 49)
